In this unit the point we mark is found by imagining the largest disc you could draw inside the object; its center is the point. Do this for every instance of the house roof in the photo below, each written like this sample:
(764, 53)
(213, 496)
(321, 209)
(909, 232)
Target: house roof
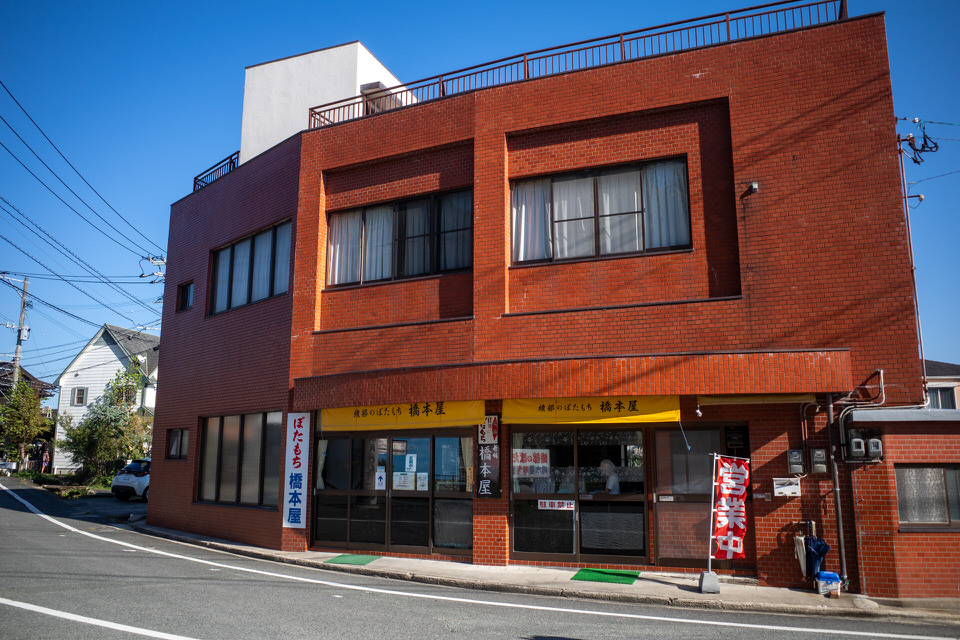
(45, 389)
(137, 343)
(131, 341)
(941, 369)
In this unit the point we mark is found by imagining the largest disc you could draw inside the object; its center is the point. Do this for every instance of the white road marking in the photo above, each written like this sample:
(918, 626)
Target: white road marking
(505, 605)
(92, 621)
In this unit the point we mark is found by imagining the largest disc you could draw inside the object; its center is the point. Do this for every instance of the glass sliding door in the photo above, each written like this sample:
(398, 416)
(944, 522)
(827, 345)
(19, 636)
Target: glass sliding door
(683, 490)
(612, 503)
(368, 500)
(543, 470)
(579, 493)
(398, 492)
(410, 493)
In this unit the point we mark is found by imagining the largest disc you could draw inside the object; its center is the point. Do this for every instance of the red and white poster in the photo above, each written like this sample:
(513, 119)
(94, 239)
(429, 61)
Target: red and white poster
(731, 479)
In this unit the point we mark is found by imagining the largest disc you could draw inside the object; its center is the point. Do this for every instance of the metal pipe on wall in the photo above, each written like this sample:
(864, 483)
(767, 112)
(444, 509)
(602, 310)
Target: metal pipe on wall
(836, 490)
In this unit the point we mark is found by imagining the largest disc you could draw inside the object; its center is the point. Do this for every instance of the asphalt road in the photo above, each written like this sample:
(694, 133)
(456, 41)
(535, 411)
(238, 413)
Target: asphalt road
(70, 569)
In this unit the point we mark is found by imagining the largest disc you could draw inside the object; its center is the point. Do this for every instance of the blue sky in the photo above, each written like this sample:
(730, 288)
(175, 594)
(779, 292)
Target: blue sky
(140, 97)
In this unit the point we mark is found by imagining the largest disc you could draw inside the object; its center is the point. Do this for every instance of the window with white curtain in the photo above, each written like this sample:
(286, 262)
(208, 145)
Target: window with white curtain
(942, 398)
(402, 239)
(632, 209)
(251, 269)
(928, 494)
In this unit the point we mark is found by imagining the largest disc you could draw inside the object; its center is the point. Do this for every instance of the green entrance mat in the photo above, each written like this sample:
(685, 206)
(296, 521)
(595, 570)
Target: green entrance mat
(349, 558)
(606, 575)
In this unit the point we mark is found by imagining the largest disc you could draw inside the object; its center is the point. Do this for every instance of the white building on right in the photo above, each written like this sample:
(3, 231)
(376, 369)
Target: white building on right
(943, 381)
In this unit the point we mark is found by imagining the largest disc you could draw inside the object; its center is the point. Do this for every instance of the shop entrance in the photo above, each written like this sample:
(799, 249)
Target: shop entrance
(588, 495)
(408, 492)
(578, 492)
(684, 491)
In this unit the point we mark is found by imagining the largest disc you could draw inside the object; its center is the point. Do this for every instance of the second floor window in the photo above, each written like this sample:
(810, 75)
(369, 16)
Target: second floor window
(942, 398)
(631, 209)
(79, 396)
(414, 237)
(252, 269)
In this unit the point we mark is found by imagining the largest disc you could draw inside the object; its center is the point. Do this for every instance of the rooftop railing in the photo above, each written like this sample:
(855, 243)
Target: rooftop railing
(684, 35)
(218, 170)
(718, 28)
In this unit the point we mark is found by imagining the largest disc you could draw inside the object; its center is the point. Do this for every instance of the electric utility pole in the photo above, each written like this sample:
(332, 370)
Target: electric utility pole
(21, 332)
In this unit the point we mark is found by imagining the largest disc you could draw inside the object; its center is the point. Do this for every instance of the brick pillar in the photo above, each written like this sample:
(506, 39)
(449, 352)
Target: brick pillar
(491, 517)
(295, 539)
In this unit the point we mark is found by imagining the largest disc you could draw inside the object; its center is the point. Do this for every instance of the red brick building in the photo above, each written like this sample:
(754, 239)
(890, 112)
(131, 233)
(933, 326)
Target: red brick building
(693, 244)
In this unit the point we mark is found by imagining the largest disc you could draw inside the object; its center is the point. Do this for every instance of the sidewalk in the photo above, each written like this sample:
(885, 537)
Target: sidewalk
(652, 587)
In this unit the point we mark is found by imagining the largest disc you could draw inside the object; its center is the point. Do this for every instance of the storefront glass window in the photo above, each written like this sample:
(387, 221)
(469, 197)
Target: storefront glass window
(537, 530)
(395, 492)
(369, 456)
(542, 462)
(686, 471)
(610, 462)
(453, 464)
(411, 464)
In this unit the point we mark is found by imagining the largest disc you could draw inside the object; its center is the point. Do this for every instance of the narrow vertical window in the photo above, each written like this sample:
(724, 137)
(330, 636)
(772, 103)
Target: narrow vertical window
(185, 297)
(281, 260)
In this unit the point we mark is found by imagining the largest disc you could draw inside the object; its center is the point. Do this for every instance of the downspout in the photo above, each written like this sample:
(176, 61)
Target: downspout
(841, 549)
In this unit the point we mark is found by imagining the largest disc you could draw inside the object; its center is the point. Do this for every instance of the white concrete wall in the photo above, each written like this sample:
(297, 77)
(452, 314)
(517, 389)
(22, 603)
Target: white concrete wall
(277, 96)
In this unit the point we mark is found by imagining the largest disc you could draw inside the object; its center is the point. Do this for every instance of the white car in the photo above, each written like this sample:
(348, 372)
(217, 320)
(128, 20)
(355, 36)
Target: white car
(133, 480)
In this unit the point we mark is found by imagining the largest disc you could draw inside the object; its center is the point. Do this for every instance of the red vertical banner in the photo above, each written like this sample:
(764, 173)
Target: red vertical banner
(730, 506)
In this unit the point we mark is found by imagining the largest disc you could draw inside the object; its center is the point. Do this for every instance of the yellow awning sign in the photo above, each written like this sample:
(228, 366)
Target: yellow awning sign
(406, 415)
(598, 410)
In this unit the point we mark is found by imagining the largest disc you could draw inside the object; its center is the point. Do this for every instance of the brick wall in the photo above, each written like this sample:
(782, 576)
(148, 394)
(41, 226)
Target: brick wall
(230, 363)
(816, 259)
(803, 286)
(901, 562)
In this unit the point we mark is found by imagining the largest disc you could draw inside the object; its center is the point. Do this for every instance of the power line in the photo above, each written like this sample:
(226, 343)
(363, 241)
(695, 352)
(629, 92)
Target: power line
(118, 279)
(58, 323)
(949, 173)
(84, 279)
(86, 293)
(63, 248)
(52, 306)
(54, 174)
(75, 169)
(57, 346)
(57, 196)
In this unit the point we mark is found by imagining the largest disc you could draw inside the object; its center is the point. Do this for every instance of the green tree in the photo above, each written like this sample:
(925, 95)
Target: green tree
(112, 429)
(20, 420)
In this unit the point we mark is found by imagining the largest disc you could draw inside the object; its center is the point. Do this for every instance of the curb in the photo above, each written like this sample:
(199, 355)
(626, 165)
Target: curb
(871, 610)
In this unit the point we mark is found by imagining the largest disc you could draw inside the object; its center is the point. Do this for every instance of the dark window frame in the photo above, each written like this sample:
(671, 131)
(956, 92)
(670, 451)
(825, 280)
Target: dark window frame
(230, 251)
(183, 443)
(185, 296)
(433, 493)
(236, 498)
(595, 173)
(435, 235)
